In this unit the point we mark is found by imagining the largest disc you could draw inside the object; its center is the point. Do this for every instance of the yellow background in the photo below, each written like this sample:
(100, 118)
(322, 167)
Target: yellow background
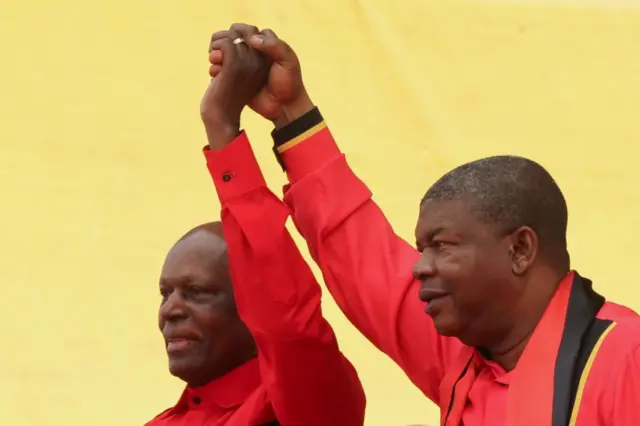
(101, 168)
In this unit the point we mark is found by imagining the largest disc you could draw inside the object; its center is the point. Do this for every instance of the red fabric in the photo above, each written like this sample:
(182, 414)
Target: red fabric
(367, 268)
(531, 388)
(234, 399)
(301, 378)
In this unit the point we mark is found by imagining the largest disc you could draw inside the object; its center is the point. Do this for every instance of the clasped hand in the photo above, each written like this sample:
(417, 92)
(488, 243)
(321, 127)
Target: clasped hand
(251, 68)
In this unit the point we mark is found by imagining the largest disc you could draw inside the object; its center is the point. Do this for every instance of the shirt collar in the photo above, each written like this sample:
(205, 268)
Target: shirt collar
(228, 391)
(498, 373)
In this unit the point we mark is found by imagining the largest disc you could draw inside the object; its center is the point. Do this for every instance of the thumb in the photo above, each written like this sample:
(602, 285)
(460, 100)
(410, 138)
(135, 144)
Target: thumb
(270, 45)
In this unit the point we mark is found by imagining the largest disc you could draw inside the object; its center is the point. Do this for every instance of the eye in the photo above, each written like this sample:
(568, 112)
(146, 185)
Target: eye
(194, 289)
(195, 292)
(440, 245)
(165, 293)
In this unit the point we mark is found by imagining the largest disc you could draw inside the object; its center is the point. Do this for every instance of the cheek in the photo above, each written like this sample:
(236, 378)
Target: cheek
(463, 272)
(457, 266)
(216, 323)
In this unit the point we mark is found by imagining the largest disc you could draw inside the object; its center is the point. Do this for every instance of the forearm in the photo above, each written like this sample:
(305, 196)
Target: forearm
(307, 378)
(276, 292)
(366, 265)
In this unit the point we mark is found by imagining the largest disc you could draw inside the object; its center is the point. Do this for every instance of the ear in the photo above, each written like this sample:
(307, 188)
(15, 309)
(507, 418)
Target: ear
(523, 249)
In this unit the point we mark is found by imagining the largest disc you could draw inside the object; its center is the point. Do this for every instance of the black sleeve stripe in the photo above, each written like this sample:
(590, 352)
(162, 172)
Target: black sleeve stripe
(297, 127)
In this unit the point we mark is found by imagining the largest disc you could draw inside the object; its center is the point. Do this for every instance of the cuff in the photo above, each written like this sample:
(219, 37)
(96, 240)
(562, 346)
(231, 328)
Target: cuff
(234, 168)
(304, 145)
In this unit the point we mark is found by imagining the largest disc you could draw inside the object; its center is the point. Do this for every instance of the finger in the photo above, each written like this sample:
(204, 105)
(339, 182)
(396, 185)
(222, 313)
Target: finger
(269, 32)
(214, 70)
(227, 49)
(215, 57)
(239, 41)
(219, 35)
(245, 31)
(268, 43)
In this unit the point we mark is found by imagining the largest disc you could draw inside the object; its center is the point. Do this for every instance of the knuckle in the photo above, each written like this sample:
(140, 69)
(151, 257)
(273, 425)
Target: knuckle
(238, 26)
(220, 43)
(219, 35)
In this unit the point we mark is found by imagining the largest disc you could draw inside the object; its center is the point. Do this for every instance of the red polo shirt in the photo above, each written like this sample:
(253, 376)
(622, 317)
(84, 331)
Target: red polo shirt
(237, 398)
(300, 377)
(368, 270)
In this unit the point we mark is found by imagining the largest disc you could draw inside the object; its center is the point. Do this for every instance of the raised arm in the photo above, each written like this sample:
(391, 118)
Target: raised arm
(308, 380)
(366, 266)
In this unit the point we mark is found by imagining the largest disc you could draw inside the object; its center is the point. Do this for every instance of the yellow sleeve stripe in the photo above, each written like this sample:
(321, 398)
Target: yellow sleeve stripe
(301, 137)
(585, 375)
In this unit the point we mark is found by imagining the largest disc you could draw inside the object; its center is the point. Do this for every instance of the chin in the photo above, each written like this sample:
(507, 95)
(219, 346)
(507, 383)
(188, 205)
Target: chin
(446, 327)
(182, 368)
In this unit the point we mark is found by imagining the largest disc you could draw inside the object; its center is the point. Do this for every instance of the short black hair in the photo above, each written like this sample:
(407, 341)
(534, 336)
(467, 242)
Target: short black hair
(509, 192)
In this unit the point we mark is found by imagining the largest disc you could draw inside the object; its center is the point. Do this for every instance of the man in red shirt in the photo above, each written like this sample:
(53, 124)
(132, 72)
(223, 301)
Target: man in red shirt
(512, 336)
(245, 331)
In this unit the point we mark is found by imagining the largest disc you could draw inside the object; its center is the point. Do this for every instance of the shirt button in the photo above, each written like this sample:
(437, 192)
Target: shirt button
(227, 177)
(197, 400)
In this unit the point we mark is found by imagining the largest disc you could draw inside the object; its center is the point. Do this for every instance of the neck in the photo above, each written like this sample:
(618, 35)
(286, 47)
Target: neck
(204, 379)
(508, 357)
(529, 312)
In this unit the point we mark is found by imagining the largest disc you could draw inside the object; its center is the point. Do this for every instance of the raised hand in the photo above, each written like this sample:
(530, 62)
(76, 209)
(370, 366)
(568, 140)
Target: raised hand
(235, 83)
(284, 97)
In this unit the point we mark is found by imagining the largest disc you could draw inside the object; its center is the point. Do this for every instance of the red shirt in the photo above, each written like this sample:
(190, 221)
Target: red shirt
(237, 398)
(368, 270)
(300, 377)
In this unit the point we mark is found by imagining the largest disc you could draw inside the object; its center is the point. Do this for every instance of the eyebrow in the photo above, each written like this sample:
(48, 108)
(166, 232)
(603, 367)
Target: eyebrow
(431, 235)
(181, 280)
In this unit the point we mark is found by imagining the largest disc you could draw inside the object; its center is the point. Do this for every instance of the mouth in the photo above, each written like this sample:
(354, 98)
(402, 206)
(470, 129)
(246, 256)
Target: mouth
(176, 346)
(433, 299)
(429, 295)
(179, 343)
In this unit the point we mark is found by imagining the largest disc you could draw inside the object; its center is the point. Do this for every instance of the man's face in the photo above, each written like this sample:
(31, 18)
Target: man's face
(465, 270)
(203, 334)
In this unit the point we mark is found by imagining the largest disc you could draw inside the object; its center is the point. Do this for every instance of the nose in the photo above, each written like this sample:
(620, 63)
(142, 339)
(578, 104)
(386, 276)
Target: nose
(424, 267)
(173, 308)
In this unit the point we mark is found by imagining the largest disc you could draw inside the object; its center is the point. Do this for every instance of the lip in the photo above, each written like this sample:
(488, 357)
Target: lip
(177, 345)
(179, 341)
(429, 294)
(171, 335)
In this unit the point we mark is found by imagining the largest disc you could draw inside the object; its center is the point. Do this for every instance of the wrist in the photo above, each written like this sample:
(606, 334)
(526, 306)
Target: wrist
(294, 110)
(221, 132)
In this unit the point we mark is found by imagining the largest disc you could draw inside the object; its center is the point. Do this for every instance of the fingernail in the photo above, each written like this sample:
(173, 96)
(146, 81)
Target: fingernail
(258, 39)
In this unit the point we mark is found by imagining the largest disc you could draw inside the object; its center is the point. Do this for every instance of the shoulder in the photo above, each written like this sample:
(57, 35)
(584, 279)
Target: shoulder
(618, 349)
(615, 312)
(625, 330)
(160, 418)
(613, 367)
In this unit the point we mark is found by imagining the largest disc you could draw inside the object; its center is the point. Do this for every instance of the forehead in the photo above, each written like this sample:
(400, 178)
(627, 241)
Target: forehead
(453, 216)
(199, 256)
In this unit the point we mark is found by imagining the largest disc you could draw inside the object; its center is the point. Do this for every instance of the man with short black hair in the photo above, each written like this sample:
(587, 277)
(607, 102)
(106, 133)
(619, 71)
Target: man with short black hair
(512, 336)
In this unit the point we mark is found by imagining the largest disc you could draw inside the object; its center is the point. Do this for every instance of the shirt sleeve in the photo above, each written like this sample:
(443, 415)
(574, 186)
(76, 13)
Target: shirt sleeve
(627, 393)
(366, 266)
(308, 380)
